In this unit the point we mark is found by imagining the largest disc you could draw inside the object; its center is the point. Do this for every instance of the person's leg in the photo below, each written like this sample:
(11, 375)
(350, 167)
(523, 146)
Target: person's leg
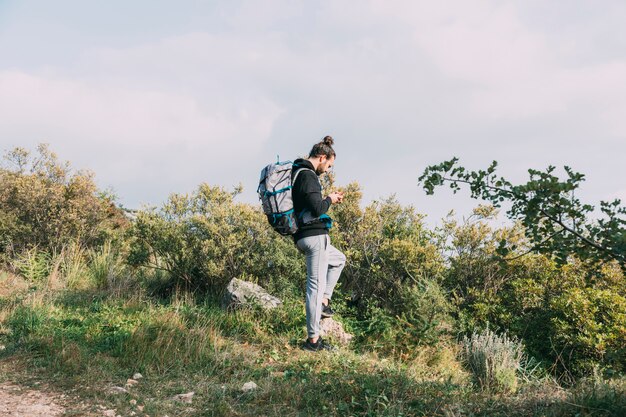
(336, 262)
(316, 251)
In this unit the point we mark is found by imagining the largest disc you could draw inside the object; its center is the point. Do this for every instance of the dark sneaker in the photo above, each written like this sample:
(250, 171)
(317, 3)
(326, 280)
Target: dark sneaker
(321, 344)
(327, 311)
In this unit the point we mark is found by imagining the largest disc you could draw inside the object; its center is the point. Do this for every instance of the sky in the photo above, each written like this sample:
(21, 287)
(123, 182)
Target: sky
(156, 97)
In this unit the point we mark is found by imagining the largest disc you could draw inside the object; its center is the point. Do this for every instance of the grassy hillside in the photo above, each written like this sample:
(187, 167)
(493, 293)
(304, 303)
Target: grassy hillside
(443, 326)
(91, 340)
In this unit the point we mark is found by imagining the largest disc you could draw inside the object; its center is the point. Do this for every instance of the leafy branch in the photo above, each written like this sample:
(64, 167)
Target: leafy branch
(554, 219)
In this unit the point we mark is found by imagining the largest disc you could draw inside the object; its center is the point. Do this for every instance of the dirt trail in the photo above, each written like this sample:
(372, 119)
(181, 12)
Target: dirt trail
(23, 402)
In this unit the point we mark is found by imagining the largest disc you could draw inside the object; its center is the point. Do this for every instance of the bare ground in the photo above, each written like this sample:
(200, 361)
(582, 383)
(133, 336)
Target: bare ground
(16, 401)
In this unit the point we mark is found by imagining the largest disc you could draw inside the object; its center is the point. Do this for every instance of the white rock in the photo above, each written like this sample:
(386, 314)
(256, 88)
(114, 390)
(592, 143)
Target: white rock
(137, 376)
(108, 413)
(185, 398)
(133, 402)
(131, 382)
(242, 293)
(249, 386)
(118, 390)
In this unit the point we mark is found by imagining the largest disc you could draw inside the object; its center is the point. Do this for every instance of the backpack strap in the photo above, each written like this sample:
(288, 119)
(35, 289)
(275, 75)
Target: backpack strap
(298, 171)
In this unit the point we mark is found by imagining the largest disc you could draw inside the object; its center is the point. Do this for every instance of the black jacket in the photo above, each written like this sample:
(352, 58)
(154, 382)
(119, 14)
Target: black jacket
(307, 194)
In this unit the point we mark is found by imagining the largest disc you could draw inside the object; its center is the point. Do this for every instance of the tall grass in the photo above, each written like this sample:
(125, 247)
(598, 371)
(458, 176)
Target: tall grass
(493, 359)
(106, 266)
(73, 267)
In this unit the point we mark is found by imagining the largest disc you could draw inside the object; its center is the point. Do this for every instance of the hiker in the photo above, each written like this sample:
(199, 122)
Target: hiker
(324, 262)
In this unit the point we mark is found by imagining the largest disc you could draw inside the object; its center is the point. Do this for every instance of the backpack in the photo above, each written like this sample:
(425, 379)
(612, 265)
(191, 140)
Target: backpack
(275, 194)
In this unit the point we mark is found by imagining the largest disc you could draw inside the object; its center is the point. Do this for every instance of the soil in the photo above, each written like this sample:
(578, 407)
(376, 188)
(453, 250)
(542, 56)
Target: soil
(16, 401)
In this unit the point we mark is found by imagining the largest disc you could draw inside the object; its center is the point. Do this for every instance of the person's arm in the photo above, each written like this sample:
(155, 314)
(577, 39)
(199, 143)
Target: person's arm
(312, 193)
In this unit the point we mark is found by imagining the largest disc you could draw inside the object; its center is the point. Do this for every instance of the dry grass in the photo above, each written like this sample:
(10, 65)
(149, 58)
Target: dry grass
(11, 285)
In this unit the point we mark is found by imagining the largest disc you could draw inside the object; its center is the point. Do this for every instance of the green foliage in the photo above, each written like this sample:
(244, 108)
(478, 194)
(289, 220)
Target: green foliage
(44, 205)
(571, 316)
(590, 325)
(205, 239)
(392, 274)
(555, 221)
(494, 360)
(33, 264)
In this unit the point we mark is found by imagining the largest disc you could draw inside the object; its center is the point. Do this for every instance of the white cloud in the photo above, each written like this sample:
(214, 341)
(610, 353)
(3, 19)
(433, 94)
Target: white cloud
(123, 133)
(400, 84)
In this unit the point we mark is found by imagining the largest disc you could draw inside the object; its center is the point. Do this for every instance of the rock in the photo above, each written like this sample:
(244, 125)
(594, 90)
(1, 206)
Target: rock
(137, 376)
(334, 329)
(249, 386)
(133, 402)
(108, 413)
(184, 398)
(131, 382)
(140, 408)
(244, 293)
(118, 390)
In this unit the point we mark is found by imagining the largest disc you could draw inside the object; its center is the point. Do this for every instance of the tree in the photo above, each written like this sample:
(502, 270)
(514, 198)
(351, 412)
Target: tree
(556, 222)
(44, 204)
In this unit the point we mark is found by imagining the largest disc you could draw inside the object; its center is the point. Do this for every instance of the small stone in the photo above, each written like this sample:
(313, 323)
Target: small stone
(131, 382)
(140, 408)
(118, 390)
(185, 398)
(2, 347)
(249, 386)
(133, 402)
(334, 329)
(108, 413)
(132, 413)
(137, 376)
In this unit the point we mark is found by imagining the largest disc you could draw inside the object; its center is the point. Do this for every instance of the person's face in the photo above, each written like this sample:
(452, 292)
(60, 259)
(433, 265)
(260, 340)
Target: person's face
(325, 164)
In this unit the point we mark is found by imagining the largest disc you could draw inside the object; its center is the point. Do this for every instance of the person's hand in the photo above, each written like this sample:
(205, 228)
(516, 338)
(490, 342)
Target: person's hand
(336, 197)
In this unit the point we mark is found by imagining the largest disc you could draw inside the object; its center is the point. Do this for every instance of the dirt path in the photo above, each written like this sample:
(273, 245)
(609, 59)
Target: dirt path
(23, 402)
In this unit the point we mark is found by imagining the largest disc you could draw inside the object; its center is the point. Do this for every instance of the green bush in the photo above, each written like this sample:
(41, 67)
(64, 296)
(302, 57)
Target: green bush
(205, 239)
(33, 264)
(44, 205)
(393, 273)
(570, 317)
(590, 326)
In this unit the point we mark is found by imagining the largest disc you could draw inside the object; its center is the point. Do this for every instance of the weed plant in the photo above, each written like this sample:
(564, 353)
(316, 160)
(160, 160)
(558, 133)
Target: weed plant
(493, 359)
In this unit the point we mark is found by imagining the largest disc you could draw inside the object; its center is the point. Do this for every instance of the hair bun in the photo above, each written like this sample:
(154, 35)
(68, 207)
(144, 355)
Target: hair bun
(328, 140)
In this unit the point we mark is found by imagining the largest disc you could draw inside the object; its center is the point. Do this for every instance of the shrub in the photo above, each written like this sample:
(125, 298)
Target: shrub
(590, 328)
(571, 316)
(388, 249)
(33, 264)
(493, 359)
(204, 239)
(393, 273)
(44, 205)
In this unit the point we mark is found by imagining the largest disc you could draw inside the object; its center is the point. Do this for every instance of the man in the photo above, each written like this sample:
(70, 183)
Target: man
(324, 262)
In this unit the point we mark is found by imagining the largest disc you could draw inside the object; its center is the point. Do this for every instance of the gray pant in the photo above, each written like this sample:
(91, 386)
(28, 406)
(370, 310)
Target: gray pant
(324, 264)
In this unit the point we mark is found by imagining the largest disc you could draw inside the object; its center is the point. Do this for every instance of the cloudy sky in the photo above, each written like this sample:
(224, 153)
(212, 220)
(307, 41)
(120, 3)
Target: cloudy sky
(156, 97)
